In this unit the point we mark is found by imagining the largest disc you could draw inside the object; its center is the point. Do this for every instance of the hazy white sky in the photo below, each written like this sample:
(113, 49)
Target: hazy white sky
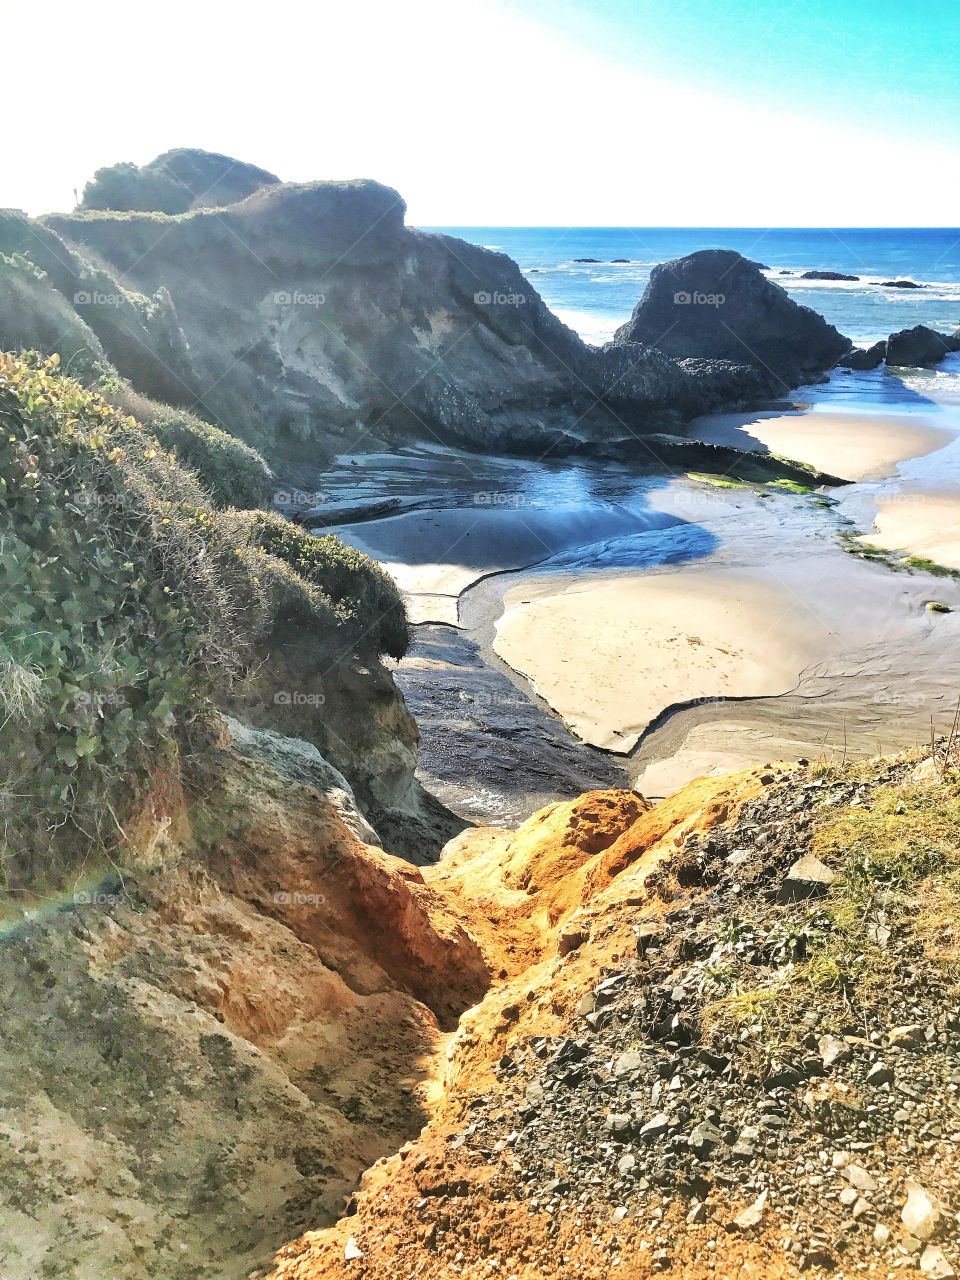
(480, 112)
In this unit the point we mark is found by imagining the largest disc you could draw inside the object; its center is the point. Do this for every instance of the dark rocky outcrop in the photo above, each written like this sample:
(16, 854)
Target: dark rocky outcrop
(825, 275)
(309, 320)
(864, 357)
(716, 305)
(919, 346)
(312, 320)
(900, 284)
(78, 308)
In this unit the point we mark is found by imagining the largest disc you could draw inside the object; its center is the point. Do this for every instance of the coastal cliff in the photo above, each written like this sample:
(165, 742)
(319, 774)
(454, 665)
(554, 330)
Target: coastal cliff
(318, 1026)
(309, 319)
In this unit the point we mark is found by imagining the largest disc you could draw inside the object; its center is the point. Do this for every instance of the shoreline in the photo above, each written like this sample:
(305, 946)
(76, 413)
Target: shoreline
(764, 640)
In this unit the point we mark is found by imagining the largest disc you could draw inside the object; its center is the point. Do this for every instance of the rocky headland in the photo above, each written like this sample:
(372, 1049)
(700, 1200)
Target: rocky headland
(308, 318)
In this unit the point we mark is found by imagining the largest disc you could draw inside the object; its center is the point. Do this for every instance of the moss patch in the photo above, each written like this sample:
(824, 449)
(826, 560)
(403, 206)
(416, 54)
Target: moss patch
(718, 482)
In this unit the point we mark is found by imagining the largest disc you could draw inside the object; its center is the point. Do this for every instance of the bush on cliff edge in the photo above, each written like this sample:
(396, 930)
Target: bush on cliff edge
(233, 473)
(126, 605)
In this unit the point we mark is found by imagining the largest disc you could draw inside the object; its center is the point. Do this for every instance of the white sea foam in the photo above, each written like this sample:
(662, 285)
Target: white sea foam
(590, 325)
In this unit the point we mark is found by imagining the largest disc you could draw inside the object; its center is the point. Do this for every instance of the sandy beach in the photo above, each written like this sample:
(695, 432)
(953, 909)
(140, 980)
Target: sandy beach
(854, 446)
(609, 656)
(920, 523)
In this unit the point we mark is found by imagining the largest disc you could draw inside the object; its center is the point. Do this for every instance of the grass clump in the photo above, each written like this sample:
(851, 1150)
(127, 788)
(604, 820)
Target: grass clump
(900, 854)
(789, 486)
(923, 565)
(357, 586)
(233, 473)
(719, 482)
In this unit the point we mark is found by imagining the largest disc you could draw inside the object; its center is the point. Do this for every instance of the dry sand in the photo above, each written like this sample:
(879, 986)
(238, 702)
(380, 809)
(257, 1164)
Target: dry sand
(855, 446)
(920, 522)
(610, 655)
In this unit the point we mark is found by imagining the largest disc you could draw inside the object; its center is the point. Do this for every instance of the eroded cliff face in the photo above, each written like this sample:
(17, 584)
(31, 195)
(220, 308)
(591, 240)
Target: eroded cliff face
(349, 707)
(723, 1039)
(202, 1053)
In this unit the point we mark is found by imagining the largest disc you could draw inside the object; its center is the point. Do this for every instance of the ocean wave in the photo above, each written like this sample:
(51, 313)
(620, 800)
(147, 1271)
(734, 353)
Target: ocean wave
(594, 327)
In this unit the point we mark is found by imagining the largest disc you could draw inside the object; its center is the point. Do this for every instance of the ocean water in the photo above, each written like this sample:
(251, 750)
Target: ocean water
(594, 298)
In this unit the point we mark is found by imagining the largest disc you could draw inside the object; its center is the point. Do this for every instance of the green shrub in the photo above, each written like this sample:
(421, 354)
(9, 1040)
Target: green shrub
(123, 604)
(127, 605)
(355, 584)
(127, 187)
(233, 473)
(20, 262)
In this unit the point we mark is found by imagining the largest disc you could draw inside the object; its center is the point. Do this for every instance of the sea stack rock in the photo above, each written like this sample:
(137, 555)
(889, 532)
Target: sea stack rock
(715, 304)
(919, 346)
(826, 275)
(864, 357)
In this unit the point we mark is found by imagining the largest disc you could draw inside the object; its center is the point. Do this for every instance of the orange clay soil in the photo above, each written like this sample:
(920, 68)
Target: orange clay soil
(573, 871)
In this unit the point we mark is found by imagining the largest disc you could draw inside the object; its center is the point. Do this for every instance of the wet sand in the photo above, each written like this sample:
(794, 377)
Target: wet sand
(611, 656)
(854, 446)
(919, 523)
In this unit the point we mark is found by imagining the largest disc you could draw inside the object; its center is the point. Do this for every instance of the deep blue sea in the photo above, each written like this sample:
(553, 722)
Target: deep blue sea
(593, 298)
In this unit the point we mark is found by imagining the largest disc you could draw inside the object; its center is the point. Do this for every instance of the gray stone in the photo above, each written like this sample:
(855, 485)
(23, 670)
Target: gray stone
(858, 1177)
(879, 1074)
(807, 878)
(704, 1137)
(629, 1062)
(656, 1125)
(920, 1214)
(934, 1263)
(832, 1050)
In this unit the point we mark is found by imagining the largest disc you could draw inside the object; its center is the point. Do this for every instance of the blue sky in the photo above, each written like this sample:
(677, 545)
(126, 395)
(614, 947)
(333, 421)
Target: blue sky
(888, 65)
(514, 112)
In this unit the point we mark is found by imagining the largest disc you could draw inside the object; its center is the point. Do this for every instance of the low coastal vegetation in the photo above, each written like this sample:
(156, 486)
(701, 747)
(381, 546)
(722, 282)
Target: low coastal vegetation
(852, 916)
(233, 473)
(723, 481)
(130, 602)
